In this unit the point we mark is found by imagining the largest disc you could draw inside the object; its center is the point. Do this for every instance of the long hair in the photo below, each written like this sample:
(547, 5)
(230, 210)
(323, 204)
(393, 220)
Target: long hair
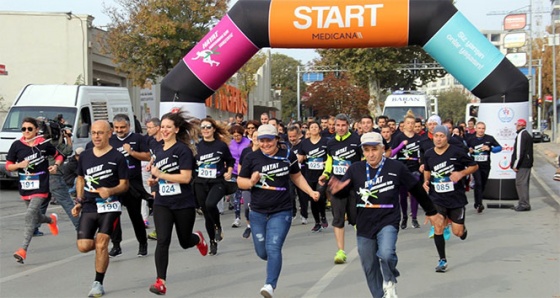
(220, 132)
(187, 131)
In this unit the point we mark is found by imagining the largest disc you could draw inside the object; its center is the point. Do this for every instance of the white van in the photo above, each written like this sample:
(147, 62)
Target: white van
(400, 102)
(80, 106)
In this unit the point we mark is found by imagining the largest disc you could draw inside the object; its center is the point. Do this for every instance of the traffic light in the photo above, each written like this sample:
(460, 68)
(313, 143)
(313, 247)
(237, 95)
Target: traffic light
(539, 102)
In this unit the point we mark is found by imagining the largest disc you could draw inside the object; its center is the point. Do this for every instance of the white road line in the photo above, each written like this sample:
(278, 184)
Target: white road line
(326, 280)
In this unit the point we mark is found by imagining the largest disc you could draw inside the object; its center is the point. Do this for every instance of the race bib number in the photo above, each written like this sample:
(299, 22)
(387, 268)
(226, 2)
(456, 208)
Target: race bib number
(29, 181)
(340, 167)
(315, 164)
(208, 171)
(481, 158)
(105, 206)
(442, 187)
(169, 189)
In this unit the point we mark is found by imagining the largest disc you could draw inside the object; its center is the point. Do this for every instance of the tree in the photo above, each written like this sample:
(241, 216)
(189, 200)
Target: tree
(452, 104)
(336, 95)
(284, 78)
(148, 38)
(246, 74)
(379, 69)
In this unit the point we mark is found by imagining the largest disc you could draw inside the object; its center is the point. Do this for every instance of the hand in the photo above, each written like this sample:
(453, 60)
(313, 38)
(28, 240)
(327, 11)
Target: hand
(322, 180)
(152, 181)
(456, 176)
(426, 186)
(315, 195)
(255, 178)
(53, 168)
(156, 172)
(76, 210)
(485, 148)
(103, 192)
(127, 148)
(23, 164)
(227, 176)
(336, 185)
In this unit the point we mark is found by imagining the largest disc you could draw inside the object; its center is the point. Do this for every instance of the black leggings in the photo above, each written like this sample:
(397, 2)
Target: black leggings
(134, 210)
(317, 208)
(164, 219)
(208, 193)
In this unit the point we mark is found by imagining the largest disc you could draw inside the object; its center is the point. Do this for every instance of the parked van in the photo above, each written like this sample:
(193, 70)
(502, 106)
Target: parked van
(400, 102)
(80, 106)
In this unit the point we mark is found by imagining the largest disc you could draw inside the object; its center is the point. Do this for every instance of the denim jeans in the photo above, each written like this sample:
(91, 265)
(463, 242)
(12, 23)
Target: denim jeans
(59, 191)
(379, 259)
(269, 232)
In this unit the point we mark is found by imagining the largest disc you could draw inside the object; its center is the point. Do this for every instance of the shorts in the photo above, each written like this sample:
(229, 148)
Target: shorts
(456, 215)
(342, 207)
(93, 222)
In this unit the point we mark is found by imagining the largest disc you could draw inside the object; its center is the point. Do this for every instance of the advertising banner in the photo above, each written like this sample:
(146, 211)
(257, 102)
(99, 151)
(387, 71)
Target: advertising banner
(147, 104)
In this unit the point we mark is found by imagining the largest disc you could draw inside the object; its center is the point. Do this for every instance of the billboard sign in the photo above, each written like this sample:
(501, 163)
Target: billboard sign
(515, 21)
(515, 40)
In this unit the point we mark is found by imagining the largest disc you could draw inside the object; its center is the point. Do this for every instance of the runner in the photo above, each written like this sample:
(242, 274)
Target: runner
(102, 176)
(28, 156)
(236, 146)
(246, 194)
(174, 203)
(214, 166)
(445, 168)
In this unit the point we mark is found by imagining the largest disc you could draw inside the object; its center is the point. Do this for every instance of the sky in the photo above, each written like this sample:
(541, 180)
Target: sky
(475, 11)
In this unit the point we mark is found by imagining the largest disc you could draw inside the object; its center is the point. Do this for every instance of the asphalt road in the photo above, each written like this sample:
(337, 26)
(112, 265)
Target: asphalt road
(507, 254)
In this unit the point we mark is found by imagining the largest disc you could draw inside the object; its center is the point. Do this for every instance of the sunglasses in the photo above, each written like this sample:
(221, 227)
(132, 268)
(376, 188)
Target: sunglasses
(29, 128)
(250, 127)
(206, 127)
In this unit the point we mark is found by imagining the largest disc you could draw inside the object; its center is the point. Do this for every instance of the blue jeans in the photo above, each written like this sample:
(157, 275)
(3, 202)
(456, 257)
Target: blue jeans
(59, 190)
(379, 259)
(269, 232)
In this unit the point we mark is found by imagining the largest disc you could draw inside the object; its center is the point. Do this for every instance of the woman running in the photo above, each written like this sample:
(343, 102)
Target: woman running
(246, 194)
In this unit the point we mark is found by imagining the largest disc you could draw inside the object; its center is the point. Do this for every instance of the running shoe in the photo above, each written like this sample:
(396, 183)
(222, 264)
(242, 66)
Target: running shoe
(317, 228)
(480, 208)
(464, 236)
(213, 247)
(432, 232)
(236, 223)
(20, 255)
(247, 233)
(389, 290)
(303, 221)
(442, 266)
(146, 224)
(143, 250)
(403, 223)
(202, 245)
(37, 233)
(152, 235)
(447, 232)
(340, 257)
(54, 224)
(219, 234)
(267, 291)
(158, 288)
(115, 251)
(324, 222)
(415, 223)
(96, 290)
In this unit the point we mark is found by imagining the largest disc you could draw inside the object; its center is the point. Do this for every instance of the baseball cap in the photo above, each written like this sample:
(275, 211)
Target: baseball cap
(521, 122)
(371, 138)
(79, 150)
(443, 129)
(267, 131)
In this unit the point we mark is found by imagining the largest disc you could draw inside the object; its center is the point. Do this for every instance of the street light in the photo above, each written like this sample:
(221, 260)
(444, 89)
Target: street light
(554, 15)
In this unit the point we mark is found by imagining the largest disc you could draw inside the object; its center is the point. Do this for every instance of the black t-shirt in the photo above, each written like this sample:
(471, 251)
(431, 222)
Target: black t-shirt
(344, 153)
(316, 156)
(137, 143)
(100, 171)
(482, 157)
(212, 159)
(36, 179)
(377, 198)
(325, 133)
(443, 191)
(409, 153)
(170, 194)
(244, 153)
(270, 194)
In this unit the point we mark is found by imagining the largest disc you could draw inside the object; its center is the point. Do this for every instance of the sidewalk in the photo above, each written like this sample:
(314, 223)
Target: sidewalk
(549, 151)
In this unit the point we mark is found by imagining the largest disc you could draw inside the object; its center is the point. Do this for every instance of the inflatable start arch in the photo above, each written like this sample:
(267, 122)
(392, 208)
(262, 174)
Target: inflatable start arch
(435, 25)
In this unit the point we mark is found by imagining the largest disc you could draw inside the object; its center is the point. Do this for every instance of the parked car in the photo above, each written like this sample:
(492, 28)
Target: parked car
(537, 136)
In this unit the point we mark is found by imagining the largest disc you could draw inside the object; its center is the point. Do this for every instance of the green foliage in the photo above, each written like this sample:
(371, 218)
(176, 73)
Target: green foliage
(452, 104)
(80, 80)
(246, 74)
(284, 78)
(147, 38)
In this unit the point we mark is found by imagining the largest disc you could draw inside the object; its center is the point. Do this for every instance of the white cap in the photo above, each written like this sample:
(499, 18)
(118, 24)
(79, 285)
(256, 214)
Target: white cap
(267, 131)
(371, 138)
(434, 118)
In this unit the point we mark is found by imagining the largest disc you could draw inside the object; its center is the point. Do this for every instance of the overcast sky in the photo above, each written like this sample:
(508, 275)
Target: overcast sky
(475, 11)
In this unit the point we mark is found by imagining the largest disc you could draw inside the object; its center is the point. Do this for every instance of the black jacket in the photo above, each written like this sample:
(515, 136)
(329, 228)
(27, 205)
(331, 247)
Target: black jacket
(69, 171)
(522, 156)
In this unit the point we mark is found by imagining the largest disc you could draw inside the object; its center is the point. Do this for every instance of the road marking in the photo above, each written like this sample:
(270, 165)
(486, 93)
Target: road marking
(326, 280)
(23, 213)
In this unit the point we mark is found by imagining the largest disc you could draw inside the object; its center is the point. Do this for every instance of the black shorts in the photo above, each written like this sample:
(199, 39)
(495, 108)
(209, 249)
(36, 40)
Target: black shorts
(456, 215)
(342, 207)
(93, 222)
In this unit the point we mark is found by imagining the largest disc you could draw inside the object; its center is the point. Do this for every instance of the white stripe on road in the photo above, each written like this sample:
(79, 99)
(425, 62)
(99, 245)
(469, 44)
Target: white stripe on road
(326, 280)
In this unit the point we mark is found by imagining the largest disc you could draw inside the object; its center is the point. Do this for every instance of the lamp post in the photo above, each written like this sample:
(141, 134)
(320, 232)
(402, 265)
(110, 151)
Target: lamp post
(555, 12)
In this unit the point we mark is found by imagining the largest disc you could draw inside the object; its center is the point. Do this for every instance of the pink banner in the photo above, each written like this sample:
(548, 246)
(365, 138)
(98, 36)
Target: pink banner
(220, 54)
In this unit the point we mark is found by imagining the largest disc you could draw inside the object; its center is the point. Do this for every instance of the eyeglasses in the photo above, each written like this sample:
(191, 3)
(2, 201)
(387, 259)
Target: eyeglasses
(28, 128)
(206, 127)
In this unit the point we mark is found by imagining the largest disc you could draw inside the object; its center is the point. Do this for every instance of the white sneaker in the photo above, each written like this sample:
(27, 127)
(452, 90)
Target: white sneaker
(236, 223)
(303, 221)
(96, 290)
(267, 291)
(389, 289)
